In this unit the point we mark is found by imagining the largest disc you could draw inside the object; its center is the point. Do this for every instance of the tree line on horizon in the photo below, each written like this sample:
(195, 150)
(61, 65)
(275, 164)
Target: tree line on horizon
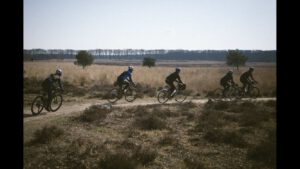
(131, 54)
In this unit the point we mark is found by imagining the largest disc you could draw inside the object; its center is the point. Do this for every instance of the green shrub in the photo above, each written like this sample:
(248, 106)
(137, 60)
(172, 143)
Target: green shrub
(228, 137)
(128, 160)
(270, 103)
(210, 119)
(168, 139)
(94, 113)
(144, 155)
(150, 122)
(265, 152)
(118, 161)
(193, 163)
(47, 134)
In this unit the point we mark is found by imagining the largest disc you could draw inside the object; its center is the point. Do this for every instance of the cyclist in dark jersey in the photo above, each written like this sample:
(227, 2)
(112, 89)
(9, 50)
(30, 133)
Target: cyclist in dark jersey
(50, 83)
(125, 78)
(173, 77)
(247, 78)
(227, 81)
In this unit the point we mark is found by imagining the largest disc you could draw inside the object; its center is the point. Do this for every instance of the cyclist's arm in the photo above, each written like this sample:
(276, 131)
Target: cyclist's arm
(60, 84)
(57, 81)
(251, 77)
(130, 80)
(232, 81)
(179, 80)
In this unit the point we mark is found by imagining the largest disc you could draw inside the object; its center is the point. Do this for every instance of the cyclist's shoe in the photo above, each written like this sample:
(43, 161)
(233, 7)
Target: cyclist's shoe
(47, 108)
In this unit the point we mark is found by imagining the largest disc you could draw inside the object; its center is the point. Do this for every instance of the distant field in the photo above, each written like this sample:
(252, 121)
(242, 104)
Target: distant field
(199, 79)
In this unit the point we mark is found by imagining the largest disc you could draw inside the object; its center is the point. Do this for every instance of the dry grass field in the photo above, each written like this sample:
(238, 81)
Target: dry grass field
(198, 79)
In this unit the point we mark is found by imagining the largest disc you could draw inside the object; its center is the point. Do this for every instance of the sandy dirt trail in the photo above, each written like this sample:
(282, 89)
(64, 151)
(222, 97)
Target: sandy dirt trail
(68, 108)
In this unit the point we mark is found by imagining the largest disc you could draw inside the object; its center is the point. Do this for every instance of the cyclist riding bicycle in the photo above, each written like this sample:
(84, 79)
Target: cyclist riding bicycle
(247, 79)
(50, 83)
(170, 80)
(227, 81)
(125, 78)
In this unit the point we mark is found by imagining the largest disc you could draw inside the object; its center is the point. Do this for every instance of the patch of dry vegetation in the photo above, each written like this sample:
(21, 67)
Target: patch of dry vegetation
(94, 113)
(162, 136)
(46, 135)
(199, 80)
(235, 123)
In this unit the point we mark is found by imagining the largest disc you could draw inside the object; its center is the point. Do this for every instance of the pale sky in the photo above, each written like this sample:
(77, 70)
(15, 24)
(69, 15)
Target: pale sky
(150, 24)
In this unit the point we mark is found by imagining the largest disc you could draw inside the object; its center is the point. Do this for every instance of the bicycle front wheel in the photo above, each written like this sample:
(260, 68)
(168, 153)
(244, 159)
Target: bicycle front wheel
(228, 94)
(37, 105)
(217, 94)
(113, 95)
(130, 95)
(237, 93)
(56, 102)
(180, 97)
(254, 92)
(162, 96)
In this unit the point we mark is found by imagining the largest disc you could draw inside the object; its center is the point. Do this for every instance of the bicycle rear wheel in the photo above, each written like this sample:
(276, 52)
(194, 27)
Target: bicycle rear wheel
(113, 95)
(163, 96)
(37, 105)
(56, 102)
(180, 97)
(130, 95)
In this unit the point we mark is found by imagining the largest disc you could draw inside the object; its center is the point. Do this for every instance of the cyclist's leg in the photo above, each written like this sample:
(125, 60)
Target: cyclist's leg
(126, 84)
(45, 95)
(49, 96)
(249, 83)
(225, 87)
(244, 85)
(172, 87)
(120, 83)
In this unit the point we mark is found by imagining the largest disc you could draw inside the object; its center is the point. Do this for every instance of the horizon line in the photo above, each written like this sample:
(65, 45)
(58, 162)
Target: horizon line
(143, 49)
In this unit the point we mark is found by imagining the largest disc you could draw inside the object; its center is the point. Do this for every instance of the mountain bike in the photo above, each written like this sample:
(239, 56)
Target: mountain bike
(232, 92)
(129, 91)
(40, 102)
(164, 94)
(252, 92)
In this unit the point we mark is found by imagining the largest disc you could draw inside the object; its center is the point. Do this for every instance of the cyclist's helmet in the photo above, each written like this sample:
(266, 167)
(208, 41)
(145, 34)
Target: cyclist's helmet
(177, 69)
(130, 68)
(251, 68)
(230, 72)
(58, 72)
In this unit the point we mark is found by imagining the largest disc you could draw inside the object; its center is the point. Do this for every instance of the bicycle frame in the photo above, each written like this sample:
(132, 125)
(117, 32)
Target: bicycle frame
(167, 88)
(249, 88)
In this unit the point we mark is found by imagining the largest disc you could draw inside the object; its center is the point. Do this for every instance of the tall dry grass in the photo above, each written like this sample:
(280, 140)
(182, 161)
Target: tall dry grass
(198, 79)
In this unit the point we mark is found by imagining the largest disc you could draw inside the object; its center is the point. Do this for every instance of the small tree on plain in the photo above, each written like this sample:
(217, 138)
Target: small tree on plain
(236, 58)
(149, 62)
(84, 59)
